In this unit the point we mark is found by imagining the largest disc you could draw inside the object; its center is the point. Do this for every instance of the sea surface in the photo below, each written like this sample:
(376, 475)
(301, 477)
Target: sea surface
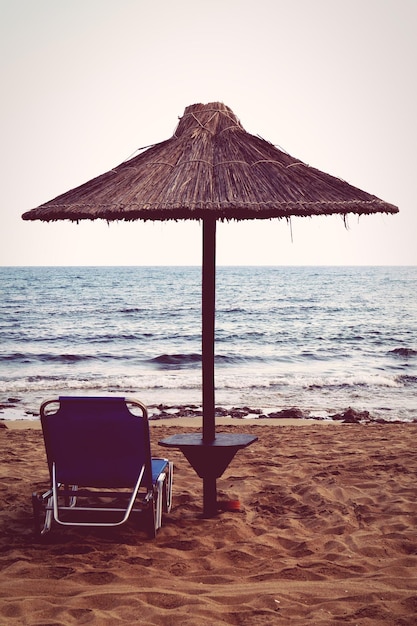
(318, 338)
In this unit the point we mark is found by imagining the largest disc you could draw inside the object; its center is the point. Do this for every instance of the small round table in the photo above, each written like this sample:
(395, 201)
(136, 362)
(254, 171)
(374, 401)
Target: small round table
(209, 459)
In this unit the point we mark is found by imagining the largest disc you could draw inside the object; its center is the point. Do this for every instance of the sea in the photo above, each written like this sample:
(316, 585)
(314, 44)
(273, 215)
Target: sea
(320, 339)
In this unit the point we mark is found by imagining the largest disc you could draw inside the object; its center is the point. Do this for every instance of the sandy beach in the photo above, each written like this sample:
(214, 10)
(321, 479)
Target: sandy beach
(326, 534)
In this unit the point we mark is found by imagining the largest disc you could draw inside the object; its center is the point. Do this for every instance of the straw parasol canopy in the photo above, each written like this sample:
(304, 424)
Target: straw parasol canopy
(210, 167)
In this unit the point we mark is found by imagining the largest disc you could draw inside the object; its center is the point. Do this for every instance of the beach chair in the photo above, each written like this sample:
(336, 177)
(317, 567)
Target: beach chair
(100, 465)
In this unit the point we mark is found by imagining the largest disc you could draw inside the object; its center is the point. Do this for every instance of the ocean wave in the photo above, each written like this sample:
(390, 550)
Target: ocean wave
(353, 381)
(228, 311)
(21, 357)
(115, 337)
(403, 352)
(85, 337)
(313, 356)
(227, 337)
(132, 309)
(240, 378)
(186, 360)
(234, 387)
(144, 382)
(407, 380)
(44, 358)
(176, 360)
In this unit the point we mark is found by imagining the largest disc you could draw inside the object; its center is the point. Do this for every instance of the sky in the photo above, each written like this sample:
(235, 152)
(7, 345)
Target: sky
(86, 83)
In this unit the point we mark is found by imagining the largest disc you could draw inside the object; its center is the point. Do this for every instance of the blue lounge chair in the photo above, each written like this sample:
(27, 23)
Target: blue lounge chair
(100, 465)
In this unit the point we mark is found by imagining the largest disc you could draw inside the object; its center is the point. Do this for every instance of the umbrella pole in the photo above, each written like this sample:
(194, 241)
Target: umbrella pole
(209, 455)
(208, 321)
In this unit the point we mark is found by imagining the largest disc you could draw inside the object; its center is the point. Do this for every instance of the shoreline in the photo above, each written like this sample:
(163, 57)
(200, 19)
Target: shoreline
(188, 422)
(190, 416)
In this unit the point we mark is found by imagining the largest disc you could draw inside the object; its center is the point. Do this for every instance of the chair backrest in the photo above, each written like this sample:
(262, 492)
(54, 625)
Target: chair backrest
(97, 442)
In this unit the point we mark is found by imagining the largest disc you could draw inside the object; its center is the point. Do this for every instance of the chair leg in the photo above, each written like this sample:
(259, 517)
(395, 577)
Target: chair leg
(167, 492)
(42, 516)
(150, 519)
(159, 499)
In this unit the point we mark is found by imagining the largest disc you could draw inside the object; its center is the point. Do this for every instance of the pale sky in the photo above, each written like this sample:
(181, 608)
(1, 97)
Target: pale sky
(87, 82)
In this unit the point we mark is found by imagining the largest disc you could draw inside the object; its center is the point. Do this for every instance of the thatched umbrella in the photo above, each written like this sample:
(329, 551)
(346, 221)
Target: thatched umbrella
(211, 169)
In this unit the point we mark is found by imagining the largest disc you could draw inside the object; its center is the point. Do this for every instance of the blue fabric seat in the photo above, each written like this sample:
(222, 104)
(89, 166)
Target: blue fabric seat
(100, 464)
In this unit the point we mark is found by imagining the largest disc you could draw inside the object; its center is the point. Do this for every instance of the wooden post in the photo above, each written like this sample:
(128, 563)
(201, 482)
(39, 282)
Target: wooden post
(208, 322)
